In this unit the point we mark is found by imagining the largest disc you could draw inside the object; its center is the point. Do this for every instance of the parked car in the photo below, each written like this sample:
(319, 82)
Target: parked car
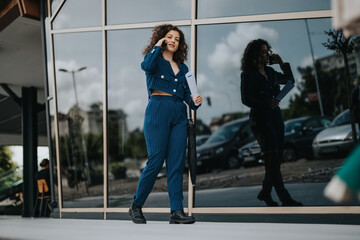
(201, 139)
(220, 150)
(299, 135)
(336, 140)
(251, 154)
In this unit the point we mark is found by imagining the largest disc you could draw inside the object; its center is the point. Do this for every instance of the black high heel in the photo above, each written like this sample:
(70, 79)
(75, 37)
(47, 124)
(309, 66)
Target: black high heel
(267, 199)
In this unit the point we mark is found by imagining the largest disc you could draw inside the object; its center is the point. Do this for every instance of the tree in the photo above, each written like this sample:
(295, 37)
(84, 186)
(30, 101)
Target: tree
(337, 42)
(300, 105)
(5, 159)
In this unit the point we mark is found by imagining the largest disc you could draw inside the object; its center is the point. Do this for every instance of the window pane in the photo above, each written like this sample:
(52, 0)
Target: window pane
(230, 8)
(79, 13)
(127, 103)
(78, 62)
(221, 182)
(54, 5)
(121, 12)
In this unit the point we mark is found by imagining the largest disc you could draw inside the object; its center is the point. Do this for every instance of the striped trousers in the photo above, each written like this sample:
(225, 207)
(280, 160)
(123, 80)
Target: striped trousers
(165, 130)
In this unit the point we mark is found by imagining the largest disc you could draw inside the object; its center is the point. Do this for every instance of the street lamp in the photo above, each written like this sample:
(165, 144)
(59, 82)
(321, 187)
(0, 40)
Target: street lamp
(77, 116)
(314, 65)
(73, 78)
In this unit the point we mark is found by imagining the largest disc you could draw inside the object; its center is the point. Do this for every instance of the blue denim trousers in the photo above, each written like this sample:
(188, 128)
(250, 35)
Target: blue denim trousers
(165, 130)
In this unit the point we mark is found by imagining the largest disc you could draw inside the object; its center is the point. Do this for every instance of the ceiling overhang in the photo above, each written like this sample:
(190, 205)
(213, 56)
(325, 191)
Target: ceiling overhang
(21, 65)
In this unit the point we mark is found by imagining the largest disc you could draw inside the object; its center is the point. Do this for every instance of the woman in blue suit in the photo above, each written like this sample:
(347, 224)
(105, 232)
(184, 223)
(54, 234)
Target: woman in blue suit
(165, 125)
(259, 88)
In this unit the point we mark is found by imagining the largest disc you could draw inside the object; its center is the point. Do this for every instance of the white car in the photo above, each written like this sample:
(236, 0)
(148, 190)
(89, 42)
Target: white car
(337, 140)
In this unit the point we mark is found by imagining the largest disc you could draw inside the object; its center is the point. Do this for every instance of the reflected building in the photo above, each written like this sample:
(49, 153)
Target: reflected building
(91, 121)
(336, 62)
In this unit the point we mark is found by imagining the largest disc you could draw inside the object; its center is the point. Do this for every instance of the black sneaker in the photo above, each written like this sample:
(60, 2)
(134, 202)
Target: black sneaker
(136, 214)
(178, 216)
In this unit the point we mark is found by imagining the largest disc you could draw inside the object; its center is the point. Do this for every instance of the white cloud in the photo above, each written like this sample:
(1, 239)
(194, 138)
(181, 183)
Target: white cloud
(89, 85)
(127, 91)
(307, 61)
(222, 83)
(225, 59)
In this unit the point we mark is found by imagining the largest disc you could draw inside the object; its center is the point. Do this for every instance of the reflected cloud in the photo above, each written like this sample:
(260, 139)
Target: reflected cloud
(225, 59)
(307, 61)
(127, 90)
(88, 84)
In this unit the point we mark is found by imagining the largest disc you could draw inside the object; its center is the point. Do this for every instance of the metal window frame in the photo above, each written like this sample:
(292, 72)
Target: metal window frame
(192, 23)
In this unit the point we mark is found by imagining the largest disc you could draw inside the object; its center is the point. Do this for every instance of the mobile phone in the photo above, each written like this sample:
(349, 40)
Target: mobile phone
(163, 45)
(271, 59)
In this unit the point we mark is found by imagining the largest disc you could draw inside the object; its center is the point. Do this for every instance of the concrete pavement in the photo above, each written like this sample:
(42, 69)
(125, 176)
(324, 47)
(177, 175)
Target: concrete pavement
(41, 229)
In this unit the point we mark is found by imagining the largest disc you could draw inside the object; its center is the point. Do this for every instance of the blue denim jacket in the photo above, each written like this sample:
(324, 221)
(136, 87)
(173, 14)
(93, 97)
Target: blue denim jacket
(160, 76)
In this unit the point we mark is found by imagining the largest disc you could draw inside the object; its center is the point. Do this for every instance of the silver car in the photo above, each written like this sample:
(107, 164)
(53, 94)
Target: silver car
(337, 140)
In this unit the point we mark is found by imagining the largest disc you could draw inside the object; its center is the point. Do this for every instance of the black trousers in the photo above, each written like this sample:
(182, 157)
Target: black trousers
(268, 129)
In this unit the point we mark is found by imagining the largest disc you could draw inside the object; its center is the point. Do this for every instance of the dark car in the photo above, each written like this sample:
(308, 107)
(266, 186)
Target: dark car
(299, 135)
(251, 154)
(220, 150)
(201, 139)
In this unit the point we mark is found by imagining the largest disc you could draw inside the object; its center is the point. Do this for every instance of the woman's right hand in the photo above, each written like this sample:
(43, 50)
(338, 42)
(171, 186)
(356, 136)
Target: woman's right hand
(160, 42)
(274, 102)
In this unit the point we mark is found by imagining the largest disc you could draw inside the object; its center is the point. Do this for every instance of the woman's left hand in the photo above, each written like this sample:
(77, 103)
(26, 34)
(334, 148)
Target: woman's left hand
(198, 99)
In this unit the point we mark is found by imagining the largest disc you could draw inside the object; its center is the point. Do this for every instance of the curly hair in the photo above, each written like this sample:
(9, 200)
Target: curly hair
(250, 59)
(159, 32)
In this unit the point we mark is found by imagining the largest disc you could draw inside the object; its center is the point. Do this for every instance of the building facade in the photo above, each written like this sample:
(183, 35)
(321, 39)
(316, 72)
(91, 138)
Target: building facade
(97, 96)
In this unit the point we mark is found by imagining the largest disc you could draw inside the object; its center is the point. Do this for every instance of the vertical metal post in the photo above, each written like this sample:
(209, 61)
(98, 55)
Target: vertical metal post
(314, 65)
(105, 110)
(30, 137)
(46, 90)
(56, 120)
(193, 68)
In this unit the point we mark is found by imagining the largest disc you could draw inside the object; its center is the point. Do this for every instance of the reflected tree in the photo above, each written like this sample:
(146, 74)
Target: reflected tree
(337, 42)
(300, 105)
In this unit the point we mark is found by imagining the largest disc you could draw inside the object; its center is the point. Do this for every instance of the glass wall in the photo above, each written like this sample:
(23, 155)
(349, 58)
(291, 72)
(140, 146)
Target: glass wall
(230, 160)
(79, 95)
(127, 101)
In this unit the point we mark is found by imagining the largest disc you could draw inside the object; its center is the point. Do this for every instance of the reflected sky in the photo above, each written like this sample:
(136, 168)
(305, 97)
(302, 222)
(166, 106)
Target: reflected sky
(78, 13)
(72, 52)
(228, 8)
(220, 48)
(120, 12)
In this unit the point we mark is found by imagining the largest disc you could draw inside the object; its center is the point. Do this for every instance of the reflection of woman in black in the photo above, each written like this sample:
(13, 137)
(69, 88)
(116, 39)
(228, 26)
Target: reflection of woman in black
(259, 87)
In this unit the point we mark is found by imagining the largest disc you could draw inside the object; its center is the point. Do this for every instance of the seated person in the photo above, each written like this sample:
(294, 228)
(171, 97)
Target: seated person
(43, 188)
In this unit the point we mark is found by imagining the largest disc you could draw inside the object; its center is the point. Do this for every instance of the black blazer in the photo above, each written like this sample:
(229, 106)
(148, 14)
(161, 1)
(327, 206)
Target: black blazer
(257, 91)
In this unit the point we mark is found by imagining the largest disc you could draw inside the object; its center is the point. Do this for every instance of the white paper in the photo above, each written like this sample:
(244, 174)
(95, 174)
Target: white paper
(286, 89)
(190, 78)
